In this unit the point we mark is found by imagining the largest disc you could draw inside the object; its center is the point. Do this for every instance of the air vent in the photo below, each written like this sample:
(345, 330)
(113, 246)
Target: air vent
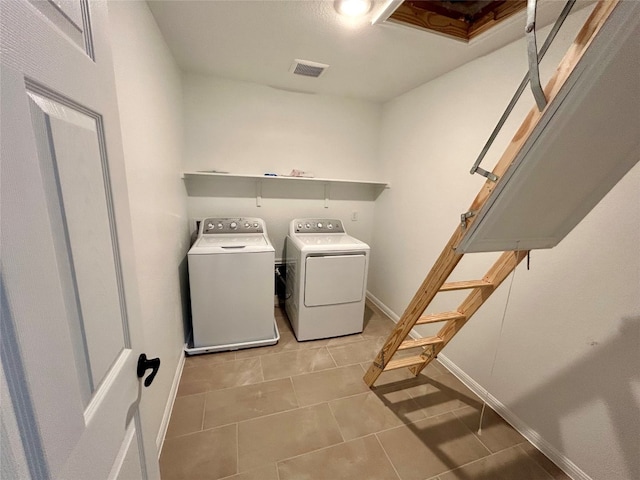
(307, 68)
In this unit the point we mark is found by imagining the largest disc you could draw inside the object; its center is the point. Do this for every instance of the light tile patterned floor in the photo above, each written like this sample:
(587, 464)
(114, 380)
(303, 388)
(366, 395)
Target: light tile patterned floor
(300, 411)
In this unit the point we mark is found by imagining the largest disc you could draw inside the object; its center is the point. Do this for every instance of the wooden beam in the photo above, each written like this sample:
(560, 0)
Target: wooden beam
(465, 285)
(439, 317)
(403, 362)
(430, 21)
(505, 264)
(438, 274)
(460, 25)
(419, 342)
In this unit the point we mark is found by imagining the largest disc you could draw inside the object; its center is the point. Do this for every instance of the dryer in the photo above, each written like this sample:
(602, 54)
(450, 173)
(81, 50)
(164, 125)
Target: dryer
(231, 276)
(326, 277)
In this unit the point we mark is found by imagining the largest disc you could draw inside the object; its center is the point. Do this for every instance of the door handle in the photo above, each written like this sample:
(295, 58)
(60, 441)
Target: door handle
(145, 364)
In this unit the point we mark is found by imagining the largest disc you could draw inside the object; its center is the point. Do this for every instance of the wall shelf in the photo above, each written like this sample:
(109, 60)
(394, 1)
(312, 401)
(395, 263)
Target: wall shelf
(209, 184)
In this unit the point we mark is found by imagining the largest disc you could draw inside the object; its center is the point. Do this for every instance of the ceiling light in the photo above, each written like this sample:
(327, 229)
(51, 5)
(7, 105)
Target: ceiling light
(353, 8)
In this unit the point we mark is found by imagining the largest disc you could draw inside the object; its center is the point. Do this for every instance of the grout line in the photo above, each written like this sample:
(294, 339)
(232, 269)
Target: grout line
(275, 413)
(321, 449)
(413, 422)
(204, 392)
(336, 420)
(258, 417)
(237, 447)
(387, 455)
(201, 431)
(331, 355)
(398, 426)
(493, 455)
(473, 434)
(204, 411)
(299, 407)
(295, 394)
(483, 444)
(261, 369)
(292, 350)
(335, 399)
(551, 475)
(191, 394)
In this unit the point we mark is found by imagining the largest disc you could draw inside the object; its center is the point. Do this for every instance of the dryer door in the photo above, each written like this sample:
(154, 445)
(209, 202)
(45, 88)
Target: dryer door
(334, 279)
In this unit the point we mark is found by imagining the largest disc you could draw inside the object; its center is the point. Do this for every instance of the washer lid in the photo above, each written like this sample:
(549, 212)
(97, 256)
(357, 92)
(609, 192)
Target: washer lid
(209, 244)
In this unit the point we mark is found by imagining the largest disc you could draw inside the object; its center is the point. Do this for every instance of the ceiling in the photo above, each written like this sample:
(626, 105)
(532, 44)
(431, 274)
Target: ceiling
(258, 40)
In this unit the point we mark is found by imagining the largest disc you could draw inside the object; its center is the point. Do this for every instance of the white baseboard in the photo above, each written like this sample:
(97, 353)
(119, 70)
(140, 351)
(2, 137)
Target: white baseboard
(388, 312)
(162, 431)
(527, 432)
(566, 465)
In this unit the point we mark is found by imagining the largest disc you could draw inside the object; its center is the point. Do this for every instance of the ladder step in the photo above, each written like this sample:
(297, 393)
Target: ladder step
(420, 342)
(467, 284)
(440, 317)
(404, 362)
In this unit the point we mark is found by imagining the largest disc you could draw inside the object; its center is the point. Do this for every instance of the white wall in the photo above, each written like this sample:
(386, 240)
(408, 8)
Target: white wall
(567, 361)
(246, 128)
(149, 91)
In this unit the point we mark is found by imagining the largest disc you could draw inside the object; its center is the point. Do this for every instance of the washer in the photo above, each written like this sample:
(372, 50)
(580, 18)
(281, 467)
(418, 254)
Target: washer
(231, 276)
(326, 275)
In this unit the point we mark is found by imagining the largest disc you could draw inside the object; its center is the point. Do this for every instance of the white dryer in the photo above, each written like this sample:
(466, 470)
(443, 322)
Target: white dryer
(231, 276)
(326, 276)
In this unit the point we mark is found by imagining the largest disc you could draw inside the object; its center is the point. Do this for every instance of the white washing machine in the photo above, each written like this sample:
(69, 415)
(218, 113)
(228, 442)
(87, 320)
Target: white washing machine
(326, 275)
(231, 276)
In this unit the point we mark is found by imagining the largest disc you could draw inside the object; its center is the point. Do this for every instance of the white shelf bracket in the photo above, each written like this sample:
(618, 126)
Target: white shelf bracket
(326, 195)
(259, 193)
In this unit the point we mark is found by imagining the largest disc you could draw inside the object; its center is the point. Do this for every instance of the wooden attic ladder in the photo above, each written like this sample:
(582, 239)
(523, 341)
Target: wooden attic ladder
(480, 290)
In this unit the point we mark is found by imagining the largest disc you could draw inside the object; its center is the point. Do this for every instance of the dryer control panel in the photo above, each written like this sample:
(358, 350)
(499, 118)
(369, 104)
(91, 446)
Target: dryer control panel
(235, 225)
(317, 225)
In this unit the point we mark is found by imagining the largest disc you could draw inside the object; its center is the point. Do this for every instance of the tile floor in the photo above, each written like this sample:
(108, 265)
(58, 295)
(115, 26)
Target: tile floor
(300, 411)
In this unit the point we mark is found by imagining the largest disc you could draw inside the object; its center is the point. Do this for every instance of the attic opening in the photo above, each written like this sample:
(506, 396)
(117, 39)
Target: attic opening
(459, 19)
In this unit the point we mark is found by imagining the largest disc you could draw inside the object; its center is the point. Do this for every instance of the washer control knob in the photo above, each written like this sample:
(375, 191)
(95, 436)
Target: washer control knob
(300, 225)
(247, 225)
(255, 225)
(220, 225)
(330, 226)
(233, 225)
(307, 225)
(319, 224)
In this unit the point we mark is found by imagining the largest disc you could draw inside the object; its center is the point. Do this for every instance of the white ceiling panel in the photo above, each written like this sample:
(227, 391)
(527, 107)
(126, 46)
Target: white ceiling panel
(257, 41)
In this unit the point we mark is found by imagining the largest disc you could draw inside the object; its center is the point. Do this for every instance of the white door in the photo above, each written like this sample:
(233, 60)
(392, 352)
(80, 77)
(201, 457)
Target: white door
(70, 317)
